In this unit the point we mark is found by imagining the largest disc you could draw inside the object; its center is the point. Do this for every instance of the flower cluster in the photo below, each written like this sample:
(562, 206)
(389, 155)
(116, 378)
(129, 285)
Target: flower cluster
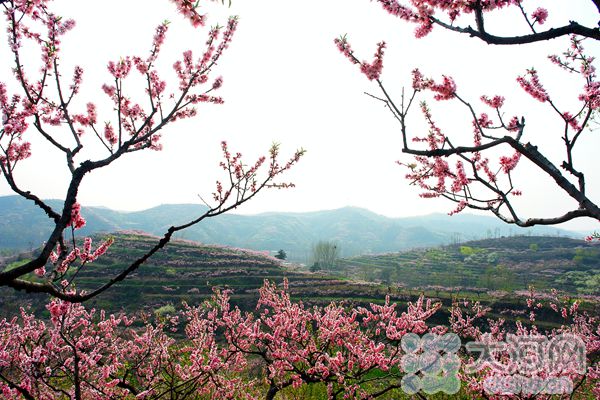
(14, 124)
(509, 163)
(371, 70)
(540, 15)
(244, 179)
(357, 352)
(423, 12)
(494, 102)
(77, 221)
(136, 125)
(434, 174)
(91, 354)
(189, 10)
(63, 259)
(476, 181)
(533, 86)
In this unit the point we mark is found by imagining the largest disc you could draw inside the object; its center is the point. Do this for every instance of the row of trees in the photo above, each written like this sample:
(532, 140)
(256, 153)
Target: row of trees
(346, 352)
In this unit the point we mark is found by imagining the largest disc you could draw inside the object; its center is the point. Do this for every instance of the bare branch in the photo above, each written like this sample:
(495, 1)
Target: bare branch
(573, 28)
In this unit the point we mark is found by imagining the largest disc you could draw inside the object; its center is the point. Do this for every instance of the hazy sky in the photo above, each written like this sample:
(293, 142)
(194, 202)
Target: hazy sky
(285, 81)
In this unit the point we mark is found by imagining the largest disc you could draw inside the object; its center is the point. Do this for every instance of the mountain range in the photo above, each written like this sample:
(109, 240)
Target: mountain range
(357, 231)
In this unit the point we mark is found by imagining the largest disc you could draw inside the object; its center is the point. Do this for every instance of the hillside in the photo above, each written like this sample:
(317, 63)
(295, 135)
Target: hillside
(187, 271)
(508, 263)
(357, 231)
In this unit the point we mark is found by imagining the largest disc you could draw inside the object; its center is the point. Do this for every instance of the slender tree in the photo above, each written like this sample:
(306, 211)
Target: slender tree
(324, 254)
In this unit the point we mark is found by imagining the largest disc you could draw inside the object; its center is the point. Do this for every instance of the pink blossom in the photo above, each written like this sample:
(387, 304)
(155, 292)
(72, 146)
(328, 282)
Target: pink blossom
(494, 102)
(230, 29)
(445, 90)
(87, 255)
(121, 68)
(514, 124)
(418, 81)
(571, 121)
(77, 221)
(217, 83)
(109, 90)
(345, 48)
(423, 29)
(342, 347)
(157, 42)
(533, 86)
(484, 121)
(18, 151)
(540, 15)
(460, 180)
(591, 95)
(509, 163)
(188, 9)
(462, 204)
(373, 70)
(109, 133)
(592, 237)
(77, 77)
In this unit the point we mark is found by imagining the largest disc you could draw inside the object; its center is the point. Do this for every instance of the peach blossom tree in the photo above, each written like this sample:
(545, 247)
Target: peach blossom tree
(49, 107)
(472, 174)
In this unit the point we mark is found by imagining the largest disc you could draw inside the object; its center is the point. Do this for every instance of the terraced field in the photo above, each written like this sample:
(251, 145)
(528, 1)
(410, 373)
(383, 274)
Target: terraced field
(508, 264)
(188, 271)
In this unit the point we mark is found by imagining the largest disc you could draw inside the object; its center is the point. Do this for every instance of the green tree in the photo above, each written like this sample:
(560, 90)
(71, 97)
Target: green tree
(498, 278)
(281, 255)
(386, 275)
(324, 255)
(534, 247)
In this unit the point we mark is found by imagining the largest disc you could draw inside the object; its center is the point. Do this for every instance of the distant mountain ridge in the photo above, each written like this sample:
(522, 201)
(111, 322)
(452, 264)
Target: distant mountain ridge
(356, 230)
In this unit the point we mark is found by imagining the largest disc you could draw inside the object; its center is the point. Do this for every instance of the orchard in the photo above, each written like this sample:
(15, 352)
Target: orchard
(284, 348)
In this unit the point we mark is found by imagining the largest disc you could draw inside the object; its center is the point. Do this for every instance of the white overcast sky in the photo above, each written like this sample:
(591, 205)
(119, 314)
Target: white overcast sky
(285, 81)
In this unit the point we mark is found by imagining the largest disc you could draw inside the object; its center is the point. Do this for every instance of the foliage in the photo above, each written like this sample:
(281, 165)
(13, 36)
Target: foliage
(498, 278)
(187, 271)
(493, 264)
(533, 247)
(587, 282)
(467, 251)
(281, 255)
(165, 310)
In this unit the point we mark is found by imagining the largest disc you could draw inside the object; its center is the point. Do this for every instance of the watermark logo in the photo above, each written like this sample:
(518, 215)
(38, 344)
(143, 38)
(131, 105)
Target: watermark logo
(431, 363)
(518, 364)
(522, 364)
